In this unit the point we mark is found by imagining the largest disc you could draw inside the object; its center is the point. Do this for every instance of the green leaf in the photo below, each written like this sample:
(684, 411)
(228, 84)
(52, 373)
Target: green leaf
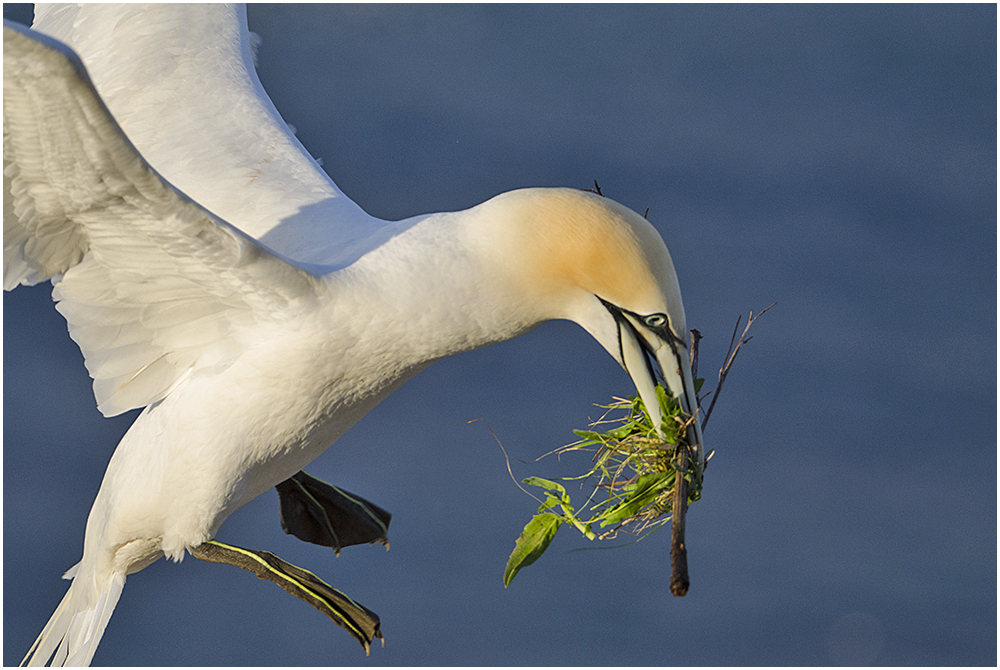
(661, 395)
(641, 493)
(551, 486)
(551, 500)
(563, 500)
(534, 540)
(622, 432)
(698, 383)
(589, 437)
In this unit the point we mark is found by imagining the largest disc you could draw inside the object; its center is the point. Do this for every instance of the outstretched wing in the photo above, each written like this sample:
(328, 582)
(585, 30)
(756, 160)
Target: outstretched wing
(153, 285)
(180, 80)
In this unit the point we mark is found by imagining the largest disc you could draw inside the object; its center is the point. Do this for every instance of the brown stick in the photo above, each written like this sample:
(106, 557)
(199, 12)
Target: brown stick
(679, 581)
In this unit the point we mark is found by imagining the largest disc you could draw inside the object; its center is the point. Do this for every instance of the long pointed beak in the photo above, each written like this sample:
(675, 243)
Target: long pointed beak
(637, 343)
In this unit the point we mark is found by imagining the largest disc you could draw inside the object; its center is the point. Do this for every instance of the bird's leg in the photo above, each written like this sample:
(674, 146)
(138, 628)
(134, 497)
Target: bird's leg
(317, 512)
(359, 621)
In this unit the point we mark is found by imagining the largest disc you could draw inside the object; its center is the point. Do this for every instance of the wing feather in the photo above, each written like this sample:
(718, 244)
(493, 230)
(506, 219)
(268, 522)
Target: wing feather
(152, 285)
(180, 80)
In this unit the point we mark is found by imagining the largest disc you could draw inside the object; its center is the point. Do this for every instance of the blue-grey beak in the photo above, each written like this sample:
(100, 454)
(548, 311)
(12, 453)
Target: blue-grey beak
(640, 344)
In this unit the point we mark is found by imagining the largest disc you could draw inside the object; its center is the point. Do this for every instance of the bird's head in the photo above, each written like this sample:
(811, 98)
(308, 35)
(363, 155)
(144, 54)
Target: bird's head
(579, 256)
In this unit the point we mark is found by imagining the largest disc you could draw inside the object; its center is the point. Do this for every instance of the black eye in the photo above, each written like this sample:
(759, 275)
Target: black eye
(656, 320)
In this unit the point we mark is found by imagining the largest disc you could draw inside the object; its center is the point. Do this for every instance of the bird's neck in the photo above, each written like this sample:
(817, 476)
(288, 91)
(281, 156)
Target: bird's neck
(429, 292)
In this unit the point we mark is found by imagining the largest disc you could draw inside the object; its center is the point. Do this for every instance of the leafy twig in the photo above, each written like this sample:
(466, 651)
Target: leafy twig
(646, 472)
(635, 468)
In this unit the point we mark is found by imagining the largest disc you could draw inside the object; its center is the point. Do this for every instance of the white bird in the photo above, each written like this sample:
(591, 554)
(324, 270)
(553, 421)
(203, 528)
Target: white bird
(214, 275)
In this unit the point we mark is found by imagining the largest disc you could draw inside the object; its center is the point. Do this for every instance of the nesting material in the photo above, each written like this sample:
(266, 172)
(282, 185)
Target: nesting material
(632, 479)
(641, 478)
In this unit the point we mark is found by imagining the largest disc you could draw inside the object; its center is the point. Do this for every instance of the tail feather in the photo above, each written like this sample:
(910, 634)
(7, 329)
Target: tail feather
(72, 634)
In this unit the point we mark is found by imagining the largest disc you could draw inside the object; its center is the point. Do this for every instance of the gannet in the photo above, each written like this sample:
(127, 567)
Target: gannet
(213, 275)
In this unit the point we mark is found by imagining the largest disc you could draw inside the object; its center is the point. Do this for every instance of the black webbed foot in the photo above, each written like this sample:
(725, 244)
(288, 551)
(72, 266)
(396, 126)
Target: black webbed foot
(359, 621)
(317, 512)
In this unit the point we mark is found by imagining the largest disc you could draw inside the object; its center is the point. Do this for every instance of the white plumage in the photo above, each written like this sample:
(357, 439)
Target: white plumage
(213, 274)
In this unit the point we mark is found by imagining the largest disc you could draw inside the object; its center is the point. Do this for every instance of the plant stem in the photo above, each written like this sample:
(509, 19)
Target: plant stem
(679, 581)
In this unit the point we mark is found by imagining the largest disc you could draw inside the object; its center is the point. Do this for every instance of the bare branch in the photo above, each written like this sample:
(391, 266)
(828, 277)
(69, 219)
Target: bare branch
(695, 340)
(679, 580)
(731, 356)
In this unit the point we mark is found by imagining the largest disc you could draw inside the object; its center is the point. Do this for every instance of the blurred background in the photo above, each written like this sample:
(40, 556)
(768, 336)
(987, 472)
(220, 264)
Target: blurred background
(837, 160)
